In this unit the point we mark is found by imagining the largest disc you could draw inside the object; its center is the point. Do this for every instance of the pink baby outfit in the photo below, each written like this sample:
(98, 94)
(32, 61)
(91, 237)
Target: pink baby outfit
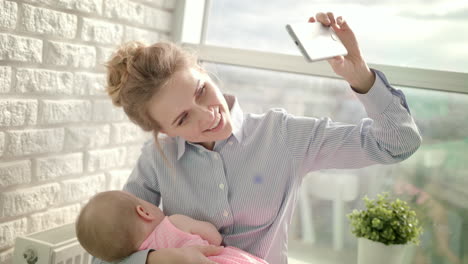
(166, 235)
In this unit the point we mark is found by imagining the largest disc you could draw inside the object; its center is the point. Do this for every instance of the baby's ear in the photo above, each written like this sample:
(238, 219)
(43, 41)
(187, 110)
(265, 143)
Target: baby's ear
(143, 213)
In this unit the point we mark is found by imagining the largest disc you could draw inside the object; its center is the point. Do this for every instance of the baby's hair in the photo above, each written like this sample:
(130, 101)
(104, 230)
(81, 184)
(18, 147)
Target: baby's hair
(136, 72)
(106, 226)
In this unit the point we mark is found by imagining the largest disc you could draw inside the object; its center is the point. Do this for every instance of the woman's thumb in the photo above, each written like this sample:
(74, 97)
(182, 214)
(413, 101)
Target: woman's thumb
(336, 61)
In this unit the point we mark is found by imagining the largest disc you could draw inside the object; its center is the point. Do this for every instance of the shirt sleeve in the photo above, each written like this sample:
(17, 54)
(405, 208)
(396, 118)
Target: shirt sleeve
(143, 182)
(136, 258)
(388, 135)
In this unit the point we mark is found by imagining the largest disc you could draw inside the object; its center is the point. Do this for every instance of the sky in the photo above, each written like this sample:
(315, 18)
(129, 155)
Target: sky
(426, 34)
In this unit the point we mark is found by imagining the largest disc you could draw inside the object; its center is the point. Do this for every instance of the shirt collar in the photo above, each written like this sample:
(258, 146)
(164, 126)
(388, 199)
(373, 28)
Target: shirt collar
(237, 120)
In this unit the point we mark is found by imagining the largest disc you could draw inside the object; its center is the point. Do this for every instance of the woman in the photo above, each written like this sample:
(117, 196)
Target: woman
(242, 172)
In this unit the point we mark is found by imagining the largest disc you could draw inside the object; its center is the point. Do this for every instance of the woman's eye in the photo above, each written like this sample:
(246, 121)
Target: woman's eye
(202, 89)
(181, 121)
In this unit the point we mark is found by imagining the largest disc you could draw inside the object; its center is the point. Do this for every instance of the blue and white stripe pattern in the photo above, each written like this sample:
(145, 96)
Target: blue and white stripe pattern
(248, 185)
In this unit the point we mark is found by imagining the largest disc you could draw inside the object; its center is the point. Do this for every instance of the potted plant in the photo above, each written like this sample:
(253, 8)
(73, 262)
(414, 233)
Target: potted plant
(384, 229)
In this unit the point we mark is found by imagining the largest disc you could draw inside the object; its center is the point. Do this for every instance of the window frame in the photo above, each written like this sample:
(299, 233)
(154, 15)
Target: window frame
(190, 24)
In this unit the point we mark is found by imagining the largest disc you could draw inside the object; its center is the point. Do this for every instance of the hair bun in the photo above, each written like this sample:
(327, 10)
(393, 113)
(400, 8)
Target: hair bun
(117, 68)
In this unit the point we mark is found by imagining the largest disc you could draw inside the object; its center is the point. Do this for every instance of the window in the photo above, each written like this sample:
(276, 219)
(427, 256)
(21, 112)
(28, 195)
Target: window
(419, 34)
(433, 180)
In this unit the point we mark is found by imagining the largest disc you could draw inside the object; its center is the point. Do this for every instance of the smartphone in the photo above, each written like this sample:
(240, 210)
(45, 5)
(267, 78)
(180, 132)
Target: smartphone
(316, 41)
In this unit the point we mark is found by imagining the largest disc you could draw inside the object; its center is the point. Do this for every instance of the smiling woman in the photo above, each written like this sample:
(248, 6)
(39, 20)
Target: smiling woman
(191, 106)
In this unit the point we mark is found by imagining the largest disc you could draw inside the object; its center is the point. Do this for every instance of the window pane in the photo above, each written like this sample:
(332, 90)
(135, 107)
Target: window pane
(434, 180)
(420, 34)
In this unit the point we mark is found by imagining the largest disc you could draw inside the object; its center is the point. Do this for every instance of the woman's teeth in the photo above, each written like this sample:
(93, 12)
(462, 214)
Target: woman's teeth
(215, 125)
(217, 122)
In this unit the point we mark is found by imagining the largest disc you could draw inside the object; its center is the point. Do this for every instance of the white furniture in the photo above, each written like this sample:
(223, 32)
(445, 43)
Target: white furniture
(339, 188)
(54, 246)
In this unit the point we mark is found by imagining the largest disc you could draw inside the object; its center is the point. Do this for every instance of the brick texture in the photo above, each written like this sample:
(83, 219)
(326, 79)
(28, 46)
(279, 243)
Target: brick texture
(65, 54)
(56, 166)
(25, 142)
(15, 172)
(53, 218)
(28, 200)
(5, 79)
(17, 112)
(39, 81)
(61, 138)
(17, 48)
(45, 21)
(10, 230)
(8, 14)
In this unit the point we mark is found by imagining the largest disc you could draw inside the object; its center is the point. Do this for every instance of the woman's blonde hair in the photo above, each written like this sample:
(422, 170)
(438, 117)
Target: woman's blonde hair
(136, 72)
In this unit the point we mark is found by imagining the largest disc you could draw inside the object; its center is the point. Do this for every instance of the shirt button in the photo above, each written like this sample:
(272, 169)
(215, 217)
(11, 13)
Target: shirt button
(230, 143)
(215, 156)
(221, 186)
(225, 213)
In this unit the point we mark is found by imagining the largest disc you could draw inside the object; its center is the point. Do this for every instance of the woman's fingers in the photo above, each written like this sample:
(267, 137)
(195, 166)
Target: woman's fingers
(328, 19)
(339, 20)
(323, 18)
(331, 17)
(210, 250)
(311, 19)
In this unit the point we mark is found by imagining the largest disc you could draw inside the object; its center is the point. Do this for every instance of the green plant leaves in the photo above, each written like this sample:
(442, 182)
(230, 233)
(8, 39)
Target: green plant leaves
(387, 221)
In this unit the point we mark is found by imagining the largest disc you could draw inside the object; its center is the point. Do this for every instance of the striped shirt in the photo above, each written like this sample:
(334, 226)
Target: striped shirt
(248, 185)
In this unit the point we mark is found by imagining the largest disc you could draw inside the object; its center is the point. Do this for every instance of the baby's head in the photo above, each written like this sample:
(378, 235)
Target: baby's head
(113, 224)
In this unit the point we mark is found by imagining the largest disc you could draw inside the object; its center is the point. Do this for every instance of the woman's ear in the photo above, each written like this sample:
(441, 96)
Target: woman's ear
(143, 213)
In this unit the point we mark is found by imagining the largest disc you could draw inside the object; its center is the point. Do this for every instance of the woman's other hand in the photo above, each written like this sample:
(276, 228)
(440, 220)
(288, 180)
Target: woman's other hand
(186, 255)
(351, 67)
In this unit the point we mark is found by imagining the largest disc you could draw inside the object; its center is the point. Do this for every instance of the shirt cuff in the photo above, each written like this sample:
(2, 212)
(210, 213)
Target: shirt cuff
(137, 257)
(380, 95)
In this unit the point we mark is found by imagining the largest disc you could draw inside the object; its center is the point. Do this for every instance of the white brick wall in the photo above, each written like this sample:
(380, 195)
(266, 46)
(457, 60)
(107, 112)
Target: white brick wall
(5, 79)
(44, 21)
(28, 200)
(39, 81)
(18, 112)
(53, 218)
(61, 139)
(15, 172)
(9, 230)
(8, 14)
(17, 48)
(52, 167)
(33, 141)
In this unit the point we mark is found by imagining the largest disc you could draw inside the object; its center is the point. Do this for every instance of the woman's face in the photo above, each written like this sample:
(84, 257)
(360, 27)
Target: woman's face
(191, 106)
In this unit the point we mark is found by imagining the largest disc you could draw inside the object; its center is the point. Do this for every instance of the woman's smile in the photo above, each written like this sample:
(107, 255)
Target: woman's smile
(217, 123)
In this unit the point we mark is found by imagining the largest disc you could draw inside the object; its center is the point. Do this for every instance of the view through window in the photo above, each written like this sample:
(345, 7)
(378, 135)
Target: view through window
(419, 34)
(434, 180)
(416, 33)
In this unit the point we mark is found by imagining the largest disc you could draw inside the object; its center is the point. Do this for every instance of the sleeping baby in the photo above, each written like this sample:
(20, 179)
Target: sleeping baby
(115, 224)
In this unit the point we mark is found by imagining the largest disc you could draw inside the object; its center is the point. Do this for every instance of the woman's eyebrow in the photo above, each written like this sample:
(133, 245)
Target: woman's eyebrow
(194, 94)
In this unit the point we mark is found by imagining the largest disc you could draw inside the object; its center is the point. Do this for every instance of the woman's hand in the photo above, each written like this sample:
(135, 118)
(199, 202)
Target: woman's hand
(351, 67)
(186, 255)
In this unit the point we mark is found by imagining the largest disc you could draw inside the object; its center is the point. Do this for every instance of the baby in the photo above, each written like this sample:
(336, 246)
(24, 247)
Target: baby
(115, 224)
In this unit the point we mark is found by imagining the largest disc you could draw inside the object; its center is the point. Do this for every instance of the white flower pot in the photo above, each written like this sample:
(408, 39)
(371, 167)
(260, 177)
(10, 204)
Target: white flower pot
(371, 252)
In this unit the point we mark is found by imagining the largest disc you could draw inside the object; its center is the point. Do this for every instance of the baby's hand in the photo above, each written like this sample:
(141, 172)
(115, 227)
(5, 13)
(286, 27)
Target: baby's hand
(205, 230)
(208, 232)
